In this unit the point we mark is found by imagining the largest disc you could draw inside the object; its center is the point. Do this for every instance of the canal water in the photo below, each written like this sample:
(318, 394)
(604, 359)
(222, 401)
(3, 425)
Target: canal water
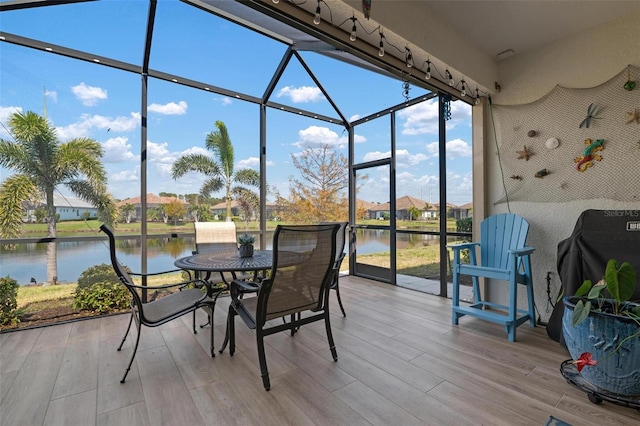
(25, 261)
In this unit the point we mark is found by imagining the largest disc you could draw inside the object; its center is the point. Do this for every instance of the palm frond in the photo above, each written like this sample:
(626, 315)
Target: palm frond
(14, 192)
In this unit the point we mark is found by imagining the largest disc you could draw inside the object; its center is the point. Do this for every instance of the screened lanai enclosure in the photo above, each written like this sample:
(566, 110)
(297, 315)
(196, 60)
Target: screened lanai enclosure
(149, 80)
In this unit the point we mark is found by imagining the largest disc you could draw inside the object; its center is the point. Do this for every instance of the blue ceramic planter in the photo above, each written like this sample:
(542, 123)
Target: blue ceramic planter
(600, 334)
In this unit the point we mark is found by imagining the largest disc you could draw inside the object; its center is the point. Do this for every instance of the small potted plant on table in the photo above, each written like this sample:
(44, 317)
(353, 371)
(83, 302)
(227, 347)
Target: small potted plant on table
(246, 245)
(601, 328)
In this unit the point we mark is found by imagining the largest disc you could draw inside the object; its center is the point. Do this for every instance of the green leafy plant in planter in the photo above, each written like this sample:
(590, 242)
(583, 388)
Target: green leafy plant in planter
(600, 319)
(246, 245)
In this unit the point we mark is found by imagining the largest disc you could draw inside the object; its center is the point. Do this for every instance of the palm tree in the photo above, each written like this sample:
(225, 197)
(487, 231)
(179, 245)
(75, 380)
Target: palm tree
(42, 164)
(220, 173)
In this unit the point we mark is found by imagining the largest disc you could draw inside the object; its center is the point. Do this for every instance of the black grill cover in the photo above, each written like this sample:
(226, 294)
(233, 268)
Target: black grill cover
(599, 235)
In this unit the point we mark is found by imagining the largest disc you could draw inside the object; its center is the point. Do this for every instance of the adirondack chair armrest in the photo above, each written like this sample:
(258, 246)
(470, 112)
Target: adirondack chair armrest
(462, 246)
(522, 251)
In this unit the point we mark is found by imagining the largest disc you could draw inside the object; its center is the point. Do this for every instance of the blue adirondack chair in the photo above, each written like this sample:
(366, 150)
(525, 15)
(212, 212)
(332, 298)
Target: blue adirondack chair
(503, 257)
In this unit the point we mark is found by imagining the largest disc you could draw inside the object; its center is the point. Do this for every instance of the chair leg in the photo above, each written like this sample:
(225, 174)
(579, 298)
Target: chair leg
(293, 323)
(126, 333)
(133, 355)
(231, 331)
(532, 312)
(332, 346)
(455, 296)
(337, 289)
(263, 360)
(513, 307)
(529, 284)
(213, 352)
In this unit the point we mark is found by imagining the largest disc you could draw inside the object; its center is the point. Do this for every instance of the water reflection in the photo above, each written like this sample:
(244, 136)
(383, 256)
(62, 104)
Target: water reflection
(24, 261)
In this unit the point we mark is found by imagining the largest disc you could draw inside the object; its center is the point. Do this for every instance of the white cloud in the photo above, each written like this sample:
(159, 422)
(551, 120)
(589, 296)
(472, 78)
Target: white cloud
(196, 150)
(117, 150)
(5, 115)
(317, 137)
(456, 148)
(251, 163)
(403, 157)
(125, 175)
(301, 94)
(225, 100)
(88, 95)
(88, 122)
(159, 152)
(375, 155)
(354, 117)
(170, 108)
(51, 94)
(422, 118)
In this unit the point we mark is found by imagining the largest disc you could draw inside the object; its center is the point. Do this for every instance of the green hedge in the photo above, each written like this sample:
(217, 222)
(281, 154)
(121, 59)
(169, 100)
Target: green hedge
(8, 301)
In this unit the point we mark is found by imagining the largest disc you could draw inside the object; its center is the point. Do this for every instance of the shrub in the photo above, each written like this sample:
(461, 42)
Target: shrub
(465, 225)
(102, 273)
(8, 301)
(102, 297)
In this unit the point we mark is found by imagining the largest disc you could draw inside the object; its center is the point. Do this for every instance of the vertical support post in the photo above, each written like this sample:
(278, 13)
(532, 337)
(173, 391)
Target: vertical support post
(143, 145)
(442, 173)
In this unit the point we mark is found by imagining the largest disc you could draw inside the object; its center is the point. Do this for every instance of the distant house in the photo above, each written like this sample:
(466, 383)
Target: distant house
(363, 209)
(403, 208)
(68, 208)
(461, 212)
(153, 201)
(220, 210)
(428, 210)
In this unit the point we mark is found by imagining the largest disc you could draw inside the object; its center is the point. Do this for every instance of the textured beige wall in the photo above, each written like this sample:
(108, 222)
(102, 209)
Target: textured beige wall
(582, 61)
(429, 32)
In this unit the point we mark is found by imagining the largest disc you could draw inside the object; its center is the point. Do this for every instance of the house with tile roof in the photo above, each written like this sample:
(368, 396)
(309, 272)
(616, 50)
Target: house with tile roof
(153, 201)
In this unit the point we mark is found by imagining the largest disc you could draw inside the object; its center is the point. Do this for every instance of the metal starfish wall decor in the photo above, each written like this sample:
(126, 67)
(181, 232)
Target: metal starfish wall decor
(525, 153)
(634, 116)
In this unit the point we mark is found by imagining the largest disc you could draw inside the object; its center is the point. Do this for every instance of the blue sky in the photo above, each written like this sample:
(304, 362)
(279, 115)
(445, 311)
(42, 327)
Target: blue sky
(88, 100)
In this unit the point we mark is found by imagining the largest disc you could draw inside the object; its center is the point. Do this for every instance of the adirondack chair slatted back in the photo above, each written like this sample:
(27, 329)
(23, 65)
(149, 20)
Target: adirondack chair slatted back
(504, 257)
(500, 233)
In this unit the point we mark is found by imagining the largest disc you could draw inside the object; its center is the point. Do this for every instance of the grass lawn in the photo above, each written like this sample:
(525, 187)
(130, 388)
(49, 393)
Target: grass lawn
(80, 227)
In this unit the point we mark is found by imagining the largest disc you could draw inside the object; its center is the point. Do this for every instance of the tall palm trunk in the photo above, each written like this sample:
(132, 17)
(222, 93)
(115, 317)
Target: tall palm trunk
(52, 248)
(228, 199)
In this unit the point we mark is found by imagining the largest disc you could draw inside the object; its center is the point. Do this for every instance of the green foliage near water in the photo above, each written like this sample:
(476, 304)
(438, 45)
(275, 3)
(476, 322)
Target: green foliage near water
(102, 298)
(100, 290)
(102, 273)
(8, 301)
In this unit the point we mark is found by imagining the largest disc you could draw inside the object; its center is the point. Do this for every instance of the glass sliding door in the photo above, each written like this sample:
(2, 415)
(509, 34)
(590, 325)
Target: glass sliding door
(373, 251)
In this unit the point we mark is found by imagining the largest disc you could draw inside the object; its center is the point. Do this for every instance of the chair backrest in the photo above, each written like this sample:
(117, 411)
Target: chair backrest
(119, 269)
(215, 236)
(498, 234)
(303, 268)
(341, 239)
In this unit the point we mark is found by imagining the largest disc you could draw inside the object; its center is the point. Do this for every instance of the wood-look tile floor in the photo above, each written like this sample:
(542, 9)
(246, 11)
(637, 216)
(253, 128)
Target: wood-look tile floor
(400, 362)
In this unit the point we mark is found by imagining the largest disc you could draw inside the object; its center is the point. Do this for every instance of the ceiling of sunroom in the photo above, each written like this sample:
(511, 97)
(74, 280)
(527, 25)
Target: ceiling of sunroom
(190, 43)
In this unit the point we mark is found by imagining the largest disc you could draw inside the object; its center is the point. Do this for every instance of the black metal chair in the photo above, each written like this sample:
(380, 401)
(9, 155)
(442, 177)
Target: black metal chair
(341, 239)
(189, 298)
(300, 280)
